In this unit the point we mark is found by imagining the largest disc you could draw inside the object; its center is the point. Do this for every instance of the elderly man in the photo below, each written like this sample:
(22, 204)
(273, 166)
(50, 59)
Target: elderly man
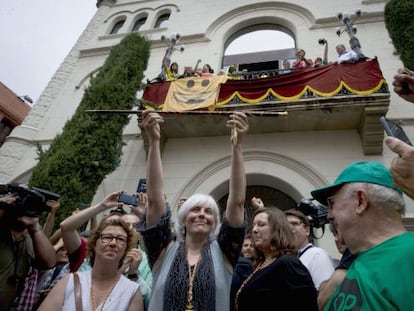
(367, 208)
(344, 55)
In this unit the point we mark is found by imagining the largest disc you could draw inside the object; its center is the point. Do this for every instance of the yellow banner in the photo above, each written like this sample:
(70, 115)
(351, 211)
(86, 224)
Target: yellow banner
(193, 93)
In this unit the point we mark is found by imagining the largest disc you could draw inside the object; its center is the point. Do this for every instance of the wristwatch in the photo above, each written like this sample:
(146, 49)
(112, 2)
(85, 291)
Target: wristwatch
(133, 276)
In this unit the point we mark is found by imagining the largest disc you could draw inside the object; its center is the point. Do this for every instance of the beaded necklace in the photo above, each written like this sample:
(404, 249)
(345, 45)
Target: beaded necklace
(258, 268)
(93, 300)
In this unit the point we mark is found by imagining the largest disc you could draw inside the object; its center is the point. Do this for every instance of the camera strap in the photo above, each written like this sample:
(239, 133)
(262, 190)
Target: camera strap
(302, 251)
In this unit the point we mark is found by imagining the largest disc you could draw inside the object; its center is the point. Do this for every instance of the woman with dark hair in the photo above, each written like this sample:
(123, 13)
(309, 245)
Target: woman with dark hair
(279, 275)
(206, 71)
(193, 272)
(103, 287)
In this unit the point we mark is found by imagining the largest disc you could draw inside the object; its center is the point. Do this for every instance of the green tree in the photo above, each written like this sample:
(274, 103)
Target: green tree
(90, 145)
(399, 20)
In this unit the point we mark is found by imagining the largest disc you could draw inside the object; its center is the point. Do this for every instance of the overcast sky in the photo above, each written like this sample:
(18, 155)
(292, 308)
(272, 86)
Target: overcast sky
(38, 34)
(36, 37)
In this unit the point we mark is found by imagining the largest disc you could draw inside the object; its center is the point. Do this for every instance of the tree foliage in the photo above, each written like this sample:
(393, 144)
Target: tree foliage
(90, 145)
(399, 20)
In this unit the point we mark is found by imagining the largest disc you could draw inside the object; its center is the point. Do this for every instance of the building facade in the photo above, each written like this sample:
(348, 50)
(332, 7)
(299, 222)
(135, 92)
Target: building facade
(283, 163)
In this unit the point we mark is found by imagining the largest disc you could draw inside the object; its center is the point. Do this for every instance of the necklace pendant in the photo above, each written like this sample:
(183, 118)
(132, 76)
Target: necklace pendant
(189, 307)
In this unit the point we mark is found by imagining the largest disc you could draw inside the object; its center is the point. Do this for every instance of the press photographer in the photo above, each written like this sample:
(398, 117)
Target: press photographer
(303, 220)
(23, 245)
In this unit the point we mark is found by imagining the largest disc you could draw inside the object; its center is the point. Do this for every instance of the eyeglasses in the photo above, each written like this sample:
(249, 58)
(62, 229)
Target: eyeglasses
(295, 223)
(347, 192)
(107, 238)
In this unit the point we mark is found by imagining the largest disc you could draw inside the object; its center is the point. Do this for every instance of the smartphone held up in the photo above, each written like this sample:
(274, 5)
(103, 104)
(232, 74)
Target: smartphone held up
(395, 130)
(128, 199)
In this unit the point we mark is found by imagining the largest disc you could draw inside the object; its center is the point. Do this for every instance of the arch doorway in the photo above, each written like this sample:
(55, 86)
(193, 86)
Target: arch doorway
(269, 196)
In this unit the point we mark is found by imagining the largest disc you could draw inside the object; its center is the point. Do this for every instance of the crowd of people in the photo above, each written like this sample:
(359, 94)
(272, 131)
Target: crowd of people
(136, 258)
(170, 71)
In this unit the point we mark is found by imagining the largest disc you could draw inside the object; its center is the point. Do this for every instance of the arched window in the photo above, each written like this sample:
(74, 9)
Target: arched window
(117, 26)
(139, 23)
(162, 20)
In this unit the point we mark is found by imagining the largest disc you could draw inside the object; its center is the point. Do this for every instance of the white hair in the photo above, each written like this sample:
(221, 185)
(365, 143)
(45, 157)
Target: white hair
(197, 199)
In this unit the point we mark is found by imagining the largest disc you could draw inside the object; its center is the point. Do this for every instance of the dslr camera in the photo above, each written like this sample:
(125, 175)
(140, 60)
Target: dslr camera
(31, 201)
(317, 213)
(322, 41)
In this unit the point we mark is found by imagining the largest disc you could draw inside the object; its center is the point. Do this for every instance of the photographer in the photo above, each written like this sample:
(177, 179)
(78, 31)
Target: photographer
(23, 248)
(316, 259)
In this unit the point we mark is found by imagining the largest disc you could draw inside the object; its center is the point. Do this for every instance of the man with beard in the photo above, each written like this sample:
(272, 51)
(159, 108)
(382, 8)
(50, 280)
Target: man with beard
(23, 246)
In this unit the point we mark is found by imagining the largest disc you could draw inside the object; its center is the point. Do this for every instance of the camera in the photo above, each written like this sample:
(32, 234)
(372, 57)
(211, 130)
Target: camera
(322, 41)
(31, 201)
(128, 199)
(317, 213)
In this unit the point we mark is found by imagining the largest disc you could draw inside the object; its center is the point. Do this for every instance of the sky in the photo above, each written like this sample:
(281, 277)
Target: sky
(35, 39)
(42, 32)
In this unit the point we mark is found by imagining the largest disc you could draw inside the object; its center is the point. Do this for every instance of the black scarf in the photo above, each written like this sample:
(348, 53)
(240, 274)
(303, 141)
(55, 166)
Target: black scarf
(176, 286)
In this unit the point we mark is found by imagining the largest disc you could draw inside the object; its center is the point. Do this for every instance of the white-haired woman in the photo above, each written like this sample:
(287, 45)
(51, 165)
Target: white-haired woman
(193, 272)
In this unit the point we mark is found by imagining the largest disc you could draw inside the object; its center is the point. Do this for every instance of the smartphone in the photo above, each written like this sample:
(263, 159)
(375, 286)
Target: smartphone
(128, 199)
(395, 130)
(142, 185)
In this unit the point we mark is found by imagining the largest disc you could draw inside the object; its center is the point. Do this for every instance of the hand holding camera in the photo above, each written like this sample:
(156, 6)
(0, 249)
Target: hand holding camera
(322, 41)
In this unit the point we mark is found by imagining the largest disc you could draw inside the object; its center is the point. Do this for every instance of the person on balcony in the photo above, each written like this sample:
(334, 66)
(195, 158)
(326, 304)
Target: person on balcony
(206, 71)
(232, 72)
(345, 56)
(169, 71)
(286, 66)
(301, 61)
(319, 61)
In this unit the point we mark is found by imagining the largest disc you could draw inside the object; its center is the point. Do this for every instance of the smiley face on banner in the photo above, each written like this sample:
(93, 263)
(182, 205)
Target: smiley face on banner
(193, 93)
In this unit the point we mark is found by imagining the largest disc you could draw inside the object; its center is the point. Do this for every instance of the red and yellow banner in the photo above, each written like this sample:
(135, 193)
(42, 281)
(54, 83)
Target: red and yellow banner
(362, 78)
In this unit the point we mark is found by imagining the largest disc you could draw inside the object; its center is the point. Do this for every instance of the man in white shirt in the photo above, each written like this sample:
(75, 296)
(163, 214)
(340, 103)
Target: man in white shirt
(344, 55)
(316, 259)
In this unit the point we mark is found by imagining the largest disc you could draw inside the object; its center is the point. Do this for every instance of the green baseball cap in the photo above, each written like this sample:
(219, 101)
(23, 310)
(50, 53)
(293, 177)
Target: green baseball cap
(366, 172)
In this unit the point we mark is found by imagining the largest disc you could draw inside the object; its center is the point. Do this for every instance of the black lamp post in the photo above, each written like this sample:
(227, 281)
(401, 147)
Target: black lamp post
(351, 30)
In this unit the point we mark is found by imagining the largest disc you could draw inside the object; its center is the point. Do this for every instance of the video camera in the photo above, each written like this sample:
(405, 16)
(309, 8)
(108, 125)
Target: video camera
(317, 213)
(31, 201)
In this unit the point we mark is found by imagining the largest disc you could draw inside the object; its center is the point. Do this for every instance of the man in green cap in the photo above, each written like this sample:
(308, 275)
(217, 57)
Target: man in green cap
(367, 209)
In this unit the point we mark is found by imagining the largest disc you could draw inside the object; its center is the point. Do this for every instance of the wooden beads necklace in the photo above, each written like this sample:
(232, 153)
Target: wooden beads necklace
(191, 274)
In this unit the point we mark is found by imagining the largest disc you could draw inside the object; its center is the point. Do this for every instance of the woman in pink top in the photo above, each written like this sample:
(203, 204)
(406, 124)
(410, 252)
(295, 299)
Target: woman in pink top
(301, 61)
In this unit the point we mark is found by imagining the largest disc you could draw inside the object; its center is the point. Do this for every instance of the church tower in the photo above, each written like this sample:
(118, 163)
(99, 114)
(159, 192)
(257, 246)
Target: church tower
(286, 156)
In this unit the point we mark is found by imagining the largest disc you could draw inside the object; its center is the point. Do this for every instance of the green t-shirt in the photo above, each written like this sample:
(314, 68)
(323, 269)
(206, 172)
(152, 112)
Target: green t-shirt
(381, 278)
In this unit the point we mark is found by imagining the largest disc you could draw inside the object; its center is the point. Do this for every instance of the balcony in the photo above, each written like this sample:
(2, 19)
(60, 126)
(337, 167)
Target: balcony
(327, 98)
